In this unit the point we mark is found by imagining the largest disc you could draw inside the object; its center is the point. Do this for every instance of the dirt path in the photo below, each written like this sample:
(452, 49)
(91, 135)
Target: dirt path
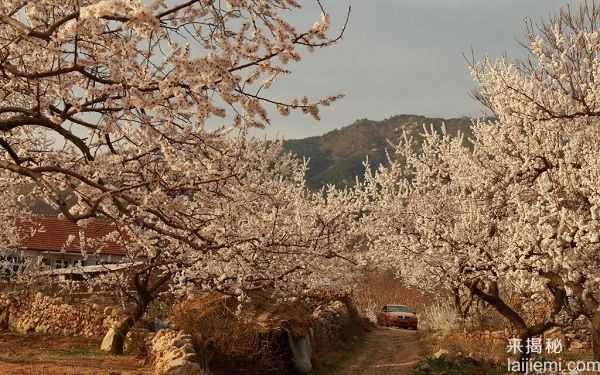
(36, 354)
(112, 366)
(386, 351)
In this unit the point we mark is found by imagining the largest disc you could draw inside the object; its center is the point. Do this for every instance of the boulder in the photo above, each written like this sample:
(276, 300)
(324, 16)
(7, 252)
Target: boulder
(440, 354)
(555, 332)
(576, 345)
(162, 324)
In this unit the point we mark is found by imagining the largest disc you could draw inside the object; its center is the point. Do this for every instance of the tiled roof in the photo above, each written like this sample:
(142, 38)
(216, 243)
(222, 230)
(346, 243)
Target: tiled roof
(46, 233)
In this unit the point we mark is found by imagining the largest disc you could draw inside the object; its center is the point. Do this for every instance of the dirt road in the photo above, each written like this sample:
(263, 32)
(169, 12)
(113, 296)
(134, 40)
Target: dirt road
(36, 354)
(386, 351)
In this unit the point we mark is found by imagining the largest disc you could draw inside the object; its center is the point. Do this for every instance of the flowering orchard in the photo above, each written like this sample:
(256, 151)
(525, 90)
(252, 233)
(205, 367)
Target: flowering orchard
(514, 211)
(138, 112)
(118, 104)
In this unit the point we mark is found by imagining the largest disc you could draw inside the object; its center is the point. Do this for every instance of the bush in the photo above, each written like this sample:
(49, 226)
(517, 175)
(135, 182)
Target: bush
(440, 317)
(252, 343)
(457, 366)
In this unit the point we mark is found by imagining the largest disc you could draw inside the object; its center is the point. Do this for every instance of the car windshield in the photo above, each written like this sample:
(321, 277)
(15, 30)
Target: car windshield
(405, 309)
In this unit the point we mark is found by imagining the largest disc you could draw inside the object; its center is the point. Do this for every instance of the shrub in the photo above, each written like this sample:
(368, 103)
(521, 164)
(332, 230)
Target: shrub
(250, 343)
(458, 366)
(440, 317)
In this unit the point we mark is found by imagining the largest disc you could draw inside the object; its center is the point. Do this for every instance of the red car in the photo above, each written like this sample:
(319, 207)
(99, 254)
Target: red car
(398, 316)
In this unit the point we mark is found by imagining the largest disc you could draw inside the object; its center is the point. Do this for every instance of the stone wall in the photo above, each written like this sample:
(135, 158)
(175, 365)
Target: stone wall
(25, 313)
(330, 322)
(172, 353)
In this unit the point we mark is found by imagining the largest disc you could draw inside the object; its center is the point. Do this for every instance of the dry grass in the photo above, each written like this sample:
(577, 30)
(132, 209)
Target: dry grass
(440, 317)
(380, 288)
(484, 317)
(458, 343)
(255, 341)
(251, 343)
(58, 355)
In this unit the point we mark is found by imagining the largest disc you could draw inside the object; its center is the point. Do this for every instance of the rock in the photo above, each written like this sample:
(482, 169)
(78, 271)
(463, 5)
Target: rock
(554, 332)
(161, 324)
(42, 328)
(440, 354)
(425, 368)
(576, 345)
(173, 353)
(180, 366)
(24, 326)
(135, 339)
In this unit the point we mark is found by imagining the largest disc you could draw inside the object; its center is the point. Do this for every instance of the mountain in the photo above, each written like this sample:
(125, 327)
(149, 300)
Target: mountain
(337, 157)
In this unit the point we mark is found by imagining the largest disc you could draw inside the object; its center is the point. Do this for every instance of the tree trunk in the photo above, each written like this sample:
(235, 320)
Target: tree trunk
(457, 302)
(146, 291)
(125, 326)
(494, 300)
(121, 332)
(596, 335)
(525, 332)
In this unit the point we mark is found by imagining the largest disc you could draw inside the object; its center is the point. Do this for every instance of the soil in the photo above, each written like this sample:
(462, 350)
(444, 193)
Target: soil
(384, 351)
(36, 354)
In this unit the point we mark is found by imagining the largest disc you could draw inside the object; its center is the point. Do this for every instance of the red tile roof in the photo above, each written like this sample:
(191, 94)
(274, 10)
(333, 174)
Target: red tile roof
(51, 234)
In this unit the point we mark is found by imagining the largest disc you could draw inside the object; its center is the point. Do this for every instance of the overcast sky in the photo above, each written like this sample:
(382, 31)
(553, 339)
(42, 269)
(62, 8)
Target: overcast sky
(403, 56)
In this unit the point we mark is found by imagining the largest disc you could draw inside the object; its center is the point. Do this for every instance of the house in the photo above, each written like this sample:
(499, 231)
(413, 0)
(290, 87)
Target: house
(58, 243)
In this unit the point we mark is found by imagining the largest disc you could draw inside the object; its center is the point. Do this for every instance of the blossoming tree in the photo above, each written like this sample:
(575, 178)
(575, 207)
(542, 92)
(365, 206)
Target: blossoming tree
(119, 103)
(545, 152)
(516, 210)
(431, 218)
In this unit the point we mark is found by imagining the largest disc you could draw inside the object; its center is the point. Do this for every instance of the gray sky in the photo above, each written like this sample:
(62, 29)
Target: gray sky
(402, 56)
